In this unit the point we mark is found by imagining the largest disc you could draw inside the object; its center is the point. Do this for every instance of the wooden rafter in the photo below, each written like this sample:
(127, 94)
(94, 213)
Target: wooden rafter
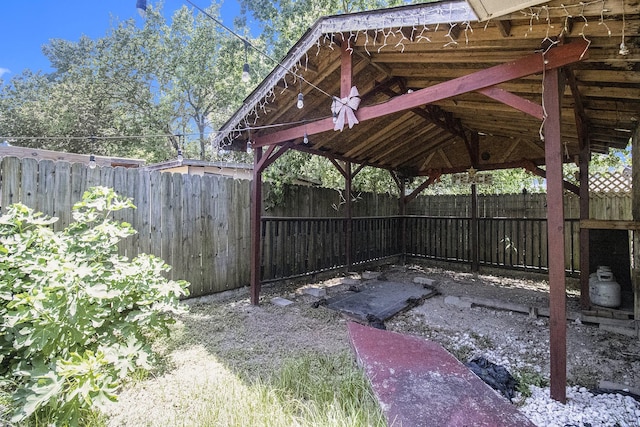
(556, 57)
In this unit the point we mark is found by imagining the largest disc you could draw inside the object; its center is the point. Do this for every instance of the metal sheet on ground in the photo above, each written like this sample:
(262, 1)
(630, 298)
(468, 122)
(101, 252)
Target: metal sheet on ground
(419, 383)
(381, 299)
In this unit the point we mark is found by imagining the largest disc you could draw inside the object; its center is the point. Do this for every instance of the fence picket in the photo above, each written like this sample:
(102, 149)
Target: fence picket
(200, 224)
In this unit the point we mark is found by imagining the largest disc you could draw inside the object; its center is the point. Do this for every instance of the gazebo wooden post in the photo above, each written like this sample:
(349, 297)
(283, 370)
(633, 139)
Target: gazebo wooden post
(348, 178)
(635, 210)
(475, 258)
(553, 88)
(402, 211)
(585, 154)
(256, 220)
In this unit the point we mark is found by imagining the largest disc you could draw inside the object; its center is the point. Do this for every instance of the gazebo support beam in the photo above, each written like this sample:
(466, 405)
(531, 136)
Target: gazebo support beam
(528, 65)
(553, 87)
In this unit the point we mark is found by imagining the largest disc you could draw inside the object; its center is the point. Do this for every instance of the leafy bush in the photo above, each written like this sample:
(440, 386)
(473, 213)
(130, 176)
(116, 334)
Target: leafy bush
(76, 318)
(526, 377)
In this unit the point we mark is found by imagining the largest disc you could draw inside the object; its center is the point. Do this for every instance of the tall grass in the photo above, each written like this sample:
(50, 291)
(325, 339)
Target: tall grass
(311, 390)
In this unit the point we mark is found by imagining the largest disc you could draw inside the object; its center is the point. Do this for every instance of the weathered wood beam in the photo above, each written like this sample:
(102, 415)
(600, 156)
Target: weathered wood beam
(430, 180)
(605, 224)
(532, 64)
(514, 101)
(543, 174)
(555, 230)
(436, 115)
(346, 70)
(270, 156)
(504, 27)
(582, 122)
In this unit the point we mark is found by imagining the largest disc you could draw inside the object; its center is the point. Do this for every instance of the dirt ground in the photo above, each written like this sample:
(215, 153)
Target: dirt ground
(225, 333)
(251, 337)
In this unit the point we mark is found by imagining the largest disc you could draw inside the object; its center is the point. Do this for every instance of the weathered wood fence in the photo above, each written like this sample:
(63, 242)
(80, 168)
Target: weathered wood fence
(200, 224)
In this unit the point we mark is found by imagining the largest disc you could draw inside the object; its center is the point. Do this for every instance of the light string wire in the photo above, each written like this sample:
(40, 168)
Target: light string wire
(258, 50)
(534, 14)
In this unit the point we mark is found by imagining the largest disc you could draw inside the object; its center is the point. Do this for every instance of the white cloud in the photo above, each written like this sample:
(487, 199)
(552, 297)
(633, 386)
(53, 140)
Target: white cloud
(4, 71)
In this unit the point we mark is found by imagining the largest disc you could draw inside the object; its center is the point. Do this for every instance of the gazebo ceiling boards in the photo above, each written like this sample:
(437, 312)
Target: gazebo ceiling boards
(407, 49)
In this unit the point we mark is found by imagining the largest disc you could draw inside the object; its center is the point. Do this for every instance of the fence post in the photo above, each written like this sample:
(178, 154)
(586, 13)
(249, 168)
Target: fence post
(349, 216)
(475, 258)
(256, 216)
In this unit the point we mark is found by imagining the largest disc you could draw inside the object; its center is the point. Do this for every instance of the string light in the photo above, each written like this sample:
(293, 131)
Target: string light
(245, 68)
(249, 147)
(141, 5)
(180, 156)
(624, 50)
(92, 162)
(300, 103)
(305, 139)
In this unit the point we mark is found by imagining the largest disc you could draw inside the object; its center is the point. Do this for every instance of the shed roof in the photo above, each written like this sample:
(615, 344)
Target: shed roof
(417, 61)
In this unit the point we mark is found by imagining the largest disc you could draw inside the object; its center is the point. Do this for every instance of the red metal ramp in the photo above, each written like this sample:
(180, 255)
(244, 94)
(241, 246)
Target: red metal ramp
(418, 383)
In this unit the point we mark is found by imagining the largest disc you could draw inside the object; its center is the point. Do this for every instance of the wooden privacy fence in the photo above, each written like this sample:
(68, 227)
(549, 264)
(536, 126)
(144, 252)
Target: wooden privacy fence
(295, 246)
(512, 243)
(197, 224)
(200, 224)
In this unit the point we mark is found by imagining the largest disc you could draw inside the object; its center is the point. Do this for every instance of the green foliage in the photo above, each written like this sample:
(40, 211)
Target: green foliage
(319, 382)
(77, 318)
(527, 377)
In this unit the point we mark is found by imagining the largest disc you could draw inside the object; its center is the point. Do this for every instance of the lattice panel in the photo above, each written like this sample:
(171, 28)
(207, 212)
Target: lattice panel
(615, 182)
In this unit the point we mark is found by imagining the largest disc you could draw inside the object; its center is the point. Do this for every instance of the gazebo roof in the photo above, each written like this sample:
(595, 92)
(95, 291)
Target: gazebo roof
(442, 92)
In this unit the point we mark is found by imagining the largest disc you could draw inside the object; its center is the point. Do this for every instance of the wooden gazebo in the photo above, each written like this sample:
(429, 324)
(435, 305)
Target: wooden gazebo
(452, 86)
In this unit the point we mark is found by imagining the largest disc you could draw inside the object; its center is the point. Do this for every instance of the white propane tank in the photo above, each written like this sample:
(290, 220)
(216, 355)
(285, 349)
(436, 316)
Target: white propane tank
(603, 288)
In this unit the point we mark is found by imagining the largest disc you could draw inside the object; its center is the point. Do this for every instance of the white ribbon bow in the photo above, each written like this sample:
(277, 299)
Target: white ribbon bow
(343, 109)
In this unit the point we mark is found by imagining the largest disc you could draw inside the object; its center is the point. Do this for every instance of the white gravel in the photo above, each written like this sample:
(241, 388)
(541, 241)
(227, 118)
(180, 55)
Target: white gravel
(583, 409)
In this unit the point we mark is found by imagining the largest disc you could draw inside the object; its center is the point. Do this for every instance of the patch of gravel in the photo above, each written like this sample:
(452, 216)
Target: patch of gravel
(253, 341)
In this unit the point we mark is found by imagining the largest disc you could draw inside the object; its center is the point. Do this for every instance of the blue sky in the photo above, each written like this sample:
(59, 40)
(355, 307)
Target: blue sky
(26, 25)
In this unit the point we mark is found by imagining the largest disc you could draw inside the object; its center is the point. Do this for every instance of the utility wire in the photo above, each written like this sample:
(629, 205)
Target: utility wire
(248, 43)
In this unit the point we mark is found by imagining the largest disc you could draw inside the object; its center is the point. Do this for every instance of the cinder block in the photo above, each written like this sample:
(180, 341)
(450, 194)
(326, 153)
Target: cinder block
(424, 281)
(367, 275)
(316, 292)
(457, 302)
(282, 302)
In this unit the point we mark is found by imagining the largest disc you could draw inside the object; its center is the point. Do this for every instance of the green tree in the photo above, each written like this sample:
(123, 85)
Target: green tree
(161, 80)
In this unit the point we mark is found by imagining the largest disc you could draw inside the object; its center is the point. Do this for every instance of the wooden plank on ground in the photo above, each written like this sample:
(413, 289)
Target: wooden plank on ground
(418, 383)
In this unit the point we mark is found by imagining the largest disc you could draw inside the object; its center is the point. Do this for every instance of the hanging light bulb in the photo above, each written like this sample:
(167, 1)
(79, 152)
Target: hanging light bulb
(335, 116)
(141, 5)
(249, 147)
(305, 139)
(245, 68)
(180, 156)
(300, 103)
(624, 50)
(245, 73)
(92, 162)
